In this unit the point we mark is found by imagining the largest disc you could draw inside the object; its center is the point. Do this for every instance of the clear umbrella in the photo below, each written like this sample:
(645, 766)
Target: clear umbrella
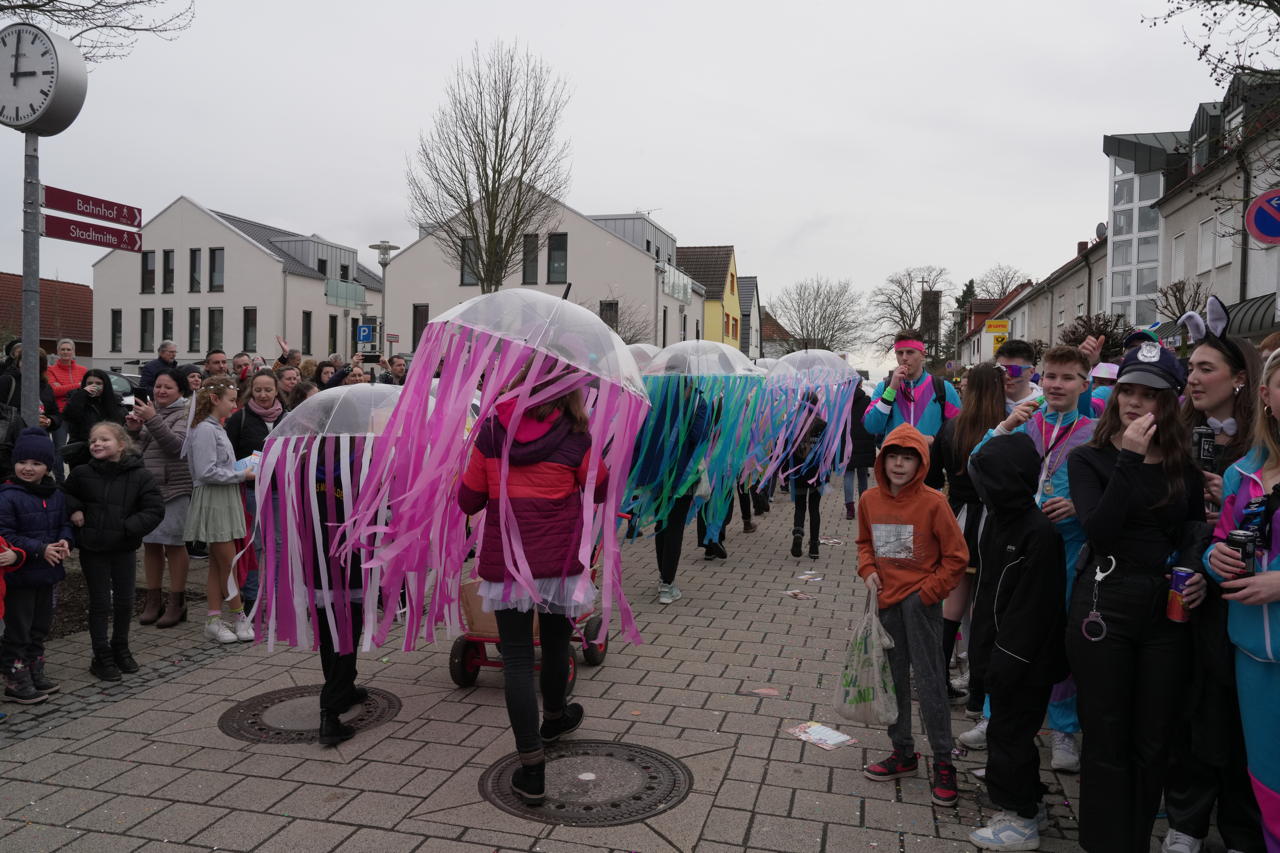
(810, 390)
(643, 354)
(346, 410)
(702, 358)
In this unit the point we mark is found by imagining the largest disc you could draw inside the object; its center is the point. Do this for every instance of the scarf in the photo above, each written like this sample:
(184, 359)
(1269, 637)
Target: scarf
(270, 415)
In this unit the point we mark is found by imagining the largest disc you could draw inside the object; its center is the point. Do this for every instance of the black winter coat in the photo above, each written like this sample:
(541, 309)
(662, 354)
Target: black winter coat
(248, 432)
(31, 517)
(120, 501)
(862, 452)
(1019, 620)
(10, 429)
(83, 410)
(11, 395)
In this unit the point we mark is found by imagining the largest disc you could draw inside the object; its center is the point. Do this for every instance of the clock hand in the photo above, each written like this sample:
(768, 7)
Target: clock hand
(15, 75)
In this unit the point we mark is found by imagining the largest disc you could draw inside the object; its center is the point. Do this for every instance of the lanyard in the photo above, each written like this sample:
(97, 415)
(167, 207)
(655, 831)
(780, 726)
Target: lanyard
(1045, 487)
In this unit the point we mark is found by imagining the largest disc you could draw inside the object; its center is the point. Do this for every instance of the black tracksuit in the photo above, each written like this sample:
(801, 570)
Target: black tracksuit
(1017, 648)
(1132, 682)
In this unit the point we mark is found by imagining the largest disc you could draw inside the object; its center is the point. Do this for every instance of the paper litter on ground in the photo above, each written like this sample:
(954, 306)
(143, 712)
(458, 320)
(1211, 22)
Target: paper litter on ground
(820, 735)
(795, 593)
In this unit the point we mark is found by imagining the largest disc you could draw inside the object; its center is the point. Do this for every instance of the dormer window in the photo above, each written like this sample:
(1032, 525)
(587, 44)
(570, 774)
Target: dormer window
(1234, 132)
(344, 272)
(322, 266)
(1200, 153)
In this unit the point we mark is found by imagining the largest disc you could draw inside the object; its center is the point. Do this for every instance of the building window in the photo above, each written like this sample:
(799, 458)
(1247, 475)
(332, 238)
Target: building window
(1121, 283)
(470, 249)
(648, 244)
(148, 272)
(1123, 225)
(530, 274)
(250, 330)
(1148, 219)
(344, 272)
(726, 324)
(1222, 252)
(1122, 166)
(193, 330)
(147, 330)
(306, 333)
(215, 328)
(355, 334)
(1122, 253)
(1234, 132)
(217, 267)
(333, 333)
(697, 330)
(664, 325)
(1122, 192)
(1178, 268)
(166, 272)
(1144, 313)
(421, 316)
(1147, 280)
(1149, 186)
(1204, 250)
(1148, 250)
(609, 313)
(684, 326)
(733, 284)
(117, 329)
(735, 328)
(193, 271)
(557, 259)
(166, 324)
(1200, 154)
(322, 266)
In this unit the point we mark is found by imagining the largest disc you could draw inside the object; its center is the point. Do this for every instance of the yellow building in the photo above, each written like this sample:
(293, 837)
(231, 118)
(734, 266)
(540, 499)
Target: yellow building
(716, 269)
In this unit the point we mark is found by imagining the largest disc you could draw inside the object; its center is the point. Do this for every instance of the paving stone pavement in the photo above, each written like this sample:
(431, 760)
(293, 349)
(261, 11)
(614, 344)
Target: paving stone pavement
(142, 765)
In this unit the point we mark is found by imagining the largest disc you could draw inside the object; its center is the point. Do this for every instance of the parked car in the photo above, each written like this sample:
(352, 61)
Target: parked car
(126, 386)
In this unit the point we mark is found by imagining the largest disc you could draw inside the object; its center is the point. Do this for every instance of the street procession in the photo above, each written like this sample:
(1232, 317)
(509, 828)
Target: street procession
(527, 529)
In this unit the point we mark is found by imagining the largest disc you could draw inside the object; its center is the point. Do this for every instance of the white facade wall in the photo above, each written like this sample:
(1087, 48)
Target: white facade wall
(601, 267)
(253, 278)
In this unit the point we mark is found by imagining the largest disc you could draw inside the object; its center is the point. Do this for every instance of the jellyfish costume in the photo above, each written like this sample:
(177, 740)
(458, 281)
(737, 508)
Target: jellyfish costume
(804, 387)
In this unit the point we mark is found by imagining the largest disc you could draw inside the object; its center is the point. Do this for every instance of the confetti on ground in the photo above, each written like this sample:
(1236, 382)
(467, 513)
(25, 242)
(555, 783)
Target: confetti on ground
(820, 735)
(830, 541)
(795, 593)
(765, 691)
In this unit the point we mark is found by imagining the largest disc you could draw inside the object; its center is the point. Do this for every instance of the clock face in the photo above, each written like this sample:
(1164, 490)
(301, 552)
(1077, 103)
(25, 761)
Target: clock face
(28, 74)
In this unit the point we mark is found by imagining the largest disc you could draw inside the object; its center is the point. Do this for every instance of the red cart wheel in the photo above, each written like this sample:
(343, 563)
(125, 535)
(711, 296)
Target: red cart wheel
(464, 661)
(593, 653)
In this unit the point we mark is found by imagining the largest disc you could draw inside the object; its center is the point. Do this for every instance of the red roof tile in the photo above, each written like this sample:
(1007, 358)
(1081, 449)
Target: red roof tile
(66, 308)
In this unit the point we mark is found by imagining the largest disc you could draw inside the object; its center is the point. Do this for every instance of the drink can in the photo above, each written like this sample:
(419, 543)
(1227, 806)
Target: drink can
(1176, 609)
(1204, 447)
(1246, 542)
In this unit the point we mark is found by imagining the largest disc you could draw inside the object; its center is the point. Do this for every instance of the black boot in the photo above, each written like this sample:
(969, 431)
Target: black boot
(332, 730)
(530, 783)
(359, 695)
(813, 549)
(124, 660)
(567, 722)
(797, 542)
(104, 667)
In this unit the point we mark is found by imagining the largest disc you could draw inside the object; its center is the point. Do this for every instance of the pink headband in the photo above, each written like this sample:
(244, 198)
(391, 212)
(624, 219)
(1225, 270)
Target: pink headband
(901, 345)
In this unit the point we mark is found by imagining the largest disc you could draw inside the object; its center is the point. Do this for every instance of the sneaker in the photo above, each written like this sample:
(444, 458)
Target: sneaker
(944, 783)
(961, 682)
(850, 511)
(217, 630)
(896, 766)
(716, 549)
(105, 669)
(797, 544)
(667, 593)
(124, 660)
(243, 629)
(530, 783)
(976, 737)
(1007, 831)
(979, 772)
(1180, 842)
(18, 687)
(1066, 753)
(748, 527)
(566, 723)
(39, 680)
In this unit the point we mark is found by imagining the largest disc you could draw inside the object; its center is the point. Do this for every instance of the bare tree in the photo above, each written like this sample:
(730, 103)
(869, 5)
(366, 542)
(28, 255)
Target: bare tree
(629, 319)
(492, 169)
(822, 314)
(1230, 36)
(104, 29)
(1178, 297)
(1114, 327)
(895, 304)
(996, 282)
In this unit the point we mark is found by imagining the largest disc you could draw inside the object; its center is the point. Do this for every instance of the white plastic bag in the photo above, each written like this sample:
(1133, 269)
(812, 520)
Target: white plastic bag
(865, 692)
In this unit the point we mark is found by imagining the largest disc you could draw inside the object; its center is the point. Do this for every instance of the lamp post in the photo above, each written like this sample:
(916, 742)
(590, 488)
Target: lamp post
(384, 250)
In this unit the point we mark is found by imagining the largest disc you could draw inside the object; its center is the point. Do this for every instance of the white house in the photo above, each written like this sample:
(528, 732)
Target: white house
(210, 280)
(618, 266)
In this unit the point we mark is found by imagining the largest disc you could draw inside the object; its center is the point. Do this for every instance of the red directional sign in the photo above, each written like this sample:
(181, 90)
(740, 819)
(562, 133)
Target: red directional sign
(88, 232)
(88, 206)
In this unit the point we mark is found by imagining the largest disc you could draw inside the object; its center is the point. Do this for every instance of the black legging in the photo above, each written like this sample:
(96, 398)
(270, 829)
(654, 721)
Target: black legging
(339, 669)
(109, 575)
(805, 495)
(515, 629)
(669, 536)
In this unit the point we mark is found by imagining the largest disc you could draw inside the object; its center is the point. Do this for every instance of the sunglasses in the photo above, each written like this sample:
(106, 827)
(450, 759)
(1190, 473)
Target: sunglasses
(1014, 371)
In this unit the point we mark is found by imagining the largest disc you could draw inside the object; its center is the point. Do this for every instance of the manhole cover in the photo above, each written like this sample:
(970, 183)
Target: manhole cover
(292, 715)
(594, 783)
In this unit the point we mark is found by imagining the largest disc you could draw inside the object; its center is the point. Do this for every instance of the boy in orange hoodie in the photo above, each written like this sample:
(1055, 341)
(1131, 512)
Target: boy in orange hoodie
(911, 554)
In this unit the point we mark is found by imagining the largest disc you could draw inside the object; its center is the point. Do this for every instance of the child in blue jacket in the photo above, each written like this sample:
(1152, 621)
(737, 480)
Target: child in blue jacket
(34, 520)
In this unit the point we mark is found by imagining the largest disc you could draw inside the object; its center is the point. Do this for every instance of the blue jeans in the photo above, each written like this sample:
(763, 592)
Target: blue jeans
(861, 474)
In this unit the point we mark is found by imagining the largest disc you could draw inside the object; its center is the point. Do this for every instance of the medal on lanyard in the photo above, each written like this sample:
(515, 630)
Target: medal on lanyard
(1093, 627)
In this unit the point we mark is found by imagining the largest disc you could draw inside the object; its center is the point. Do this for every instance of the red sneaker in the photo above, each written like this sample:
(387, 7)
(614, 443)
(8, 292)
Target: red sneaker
(944, 783)
(894, 767)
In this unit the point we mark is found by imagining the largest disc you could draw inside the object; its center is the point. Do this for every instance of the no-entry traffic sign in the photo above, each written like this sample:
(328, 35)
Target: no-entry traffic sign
(105, 236)
(1262, 219)
(91, 207)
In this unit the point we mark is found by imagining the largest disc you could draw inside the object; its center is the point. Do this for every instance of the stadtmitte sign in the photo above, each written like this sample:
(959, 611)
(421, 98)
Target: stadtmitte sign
(91, 207)
(91, 233)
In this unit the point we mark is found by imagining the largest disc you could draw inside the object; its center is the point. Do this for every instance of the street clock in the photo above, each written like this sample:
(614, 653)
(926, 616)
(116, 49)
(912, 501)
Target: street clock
(43, 80)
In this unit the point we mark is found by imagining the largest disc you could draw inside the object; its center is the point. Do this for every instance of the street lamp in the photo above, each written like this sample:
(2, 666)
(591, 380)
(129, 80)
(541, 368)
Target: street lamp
(384, 250)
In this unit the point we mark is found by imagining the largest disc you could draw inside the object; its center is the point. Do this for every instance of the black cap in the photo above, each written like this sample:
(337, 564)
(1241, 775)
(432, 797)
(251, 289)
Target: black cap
(1139, 336)
(1154, 366)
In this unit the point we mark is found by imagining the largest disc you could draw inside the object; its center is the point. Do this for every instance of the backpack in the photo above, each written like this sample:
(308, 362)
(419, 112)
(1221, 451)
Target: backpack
(939, 397)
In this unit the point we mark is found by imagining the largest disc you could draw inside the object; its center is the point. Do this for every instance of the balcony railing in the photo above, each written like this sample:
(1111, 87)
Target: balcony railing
(343, 294)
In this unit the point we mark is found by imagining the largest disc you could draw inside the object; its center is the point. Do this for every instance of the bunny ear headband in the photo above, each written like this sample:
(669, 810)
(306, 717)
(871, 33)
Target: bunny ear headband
(1211, 329)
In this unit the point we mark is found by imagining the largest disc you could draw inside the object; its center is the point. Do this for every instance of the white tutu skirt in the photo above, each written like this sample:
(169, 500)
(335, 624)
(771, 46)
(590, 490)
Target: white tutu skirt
(572, 596)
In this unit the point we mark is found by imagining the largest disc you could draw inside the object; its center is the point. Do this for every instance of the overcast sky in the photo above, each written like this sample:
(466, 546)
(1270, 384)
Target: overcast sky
(842, 139)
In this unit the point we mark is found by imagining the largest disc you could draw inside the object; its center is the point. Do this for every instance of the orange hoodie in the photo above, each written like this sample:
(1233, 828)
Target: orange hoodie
(910, 538)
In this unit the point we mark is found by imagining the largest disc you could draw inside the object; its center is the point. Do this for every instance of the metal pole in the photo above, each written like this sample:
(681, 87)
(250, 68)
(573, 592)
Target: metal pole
(382, 321)
(31, 281)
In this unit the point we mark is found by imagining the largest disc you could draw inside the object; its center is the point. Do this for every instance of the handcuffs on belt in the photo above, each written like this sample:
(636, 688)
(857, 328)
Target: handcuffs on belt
(1094, 622)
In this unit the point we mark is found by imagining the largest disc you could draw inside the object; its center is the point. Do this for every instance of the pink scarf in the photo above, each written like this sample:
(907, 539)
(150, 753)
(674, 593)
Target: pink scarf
(270, 415)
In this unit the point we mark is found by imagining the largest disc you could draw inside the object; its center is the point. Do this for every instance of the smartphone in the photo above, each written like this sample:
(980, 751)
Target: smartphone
(372, 357)
(141, 396)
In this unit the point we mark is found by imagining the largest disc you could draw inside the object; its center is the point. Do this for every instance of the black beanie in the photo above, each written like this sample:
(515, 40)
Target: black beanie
(34, 443)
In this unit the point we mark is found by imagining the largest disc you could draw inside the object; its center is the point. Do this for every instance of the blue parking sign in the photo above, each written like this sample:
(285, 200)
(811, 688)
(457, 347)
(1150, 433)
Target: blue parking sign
(364, 334)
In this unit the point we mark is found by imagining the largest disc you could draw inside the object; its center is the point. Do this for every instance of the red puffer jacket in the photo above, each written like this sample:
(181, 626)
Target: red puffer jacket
(22, 558)
(548, 470)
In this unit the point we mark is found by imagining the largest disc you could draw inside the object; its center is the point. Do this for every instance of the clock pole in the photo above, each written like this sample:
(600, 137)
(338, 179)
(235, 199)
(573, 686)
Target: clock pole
(31, 280)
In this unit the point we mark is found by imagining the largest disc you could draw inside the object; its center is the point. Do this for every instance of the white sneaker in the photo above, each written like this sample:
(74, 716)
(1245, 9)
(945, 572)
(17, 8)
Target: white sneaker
(960, 682)
(1180, 842)
(218, 631)
(979, 772)
(667, 593)
(1066, 753)
(244, 629)
(976, 738)
(1007, 831)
